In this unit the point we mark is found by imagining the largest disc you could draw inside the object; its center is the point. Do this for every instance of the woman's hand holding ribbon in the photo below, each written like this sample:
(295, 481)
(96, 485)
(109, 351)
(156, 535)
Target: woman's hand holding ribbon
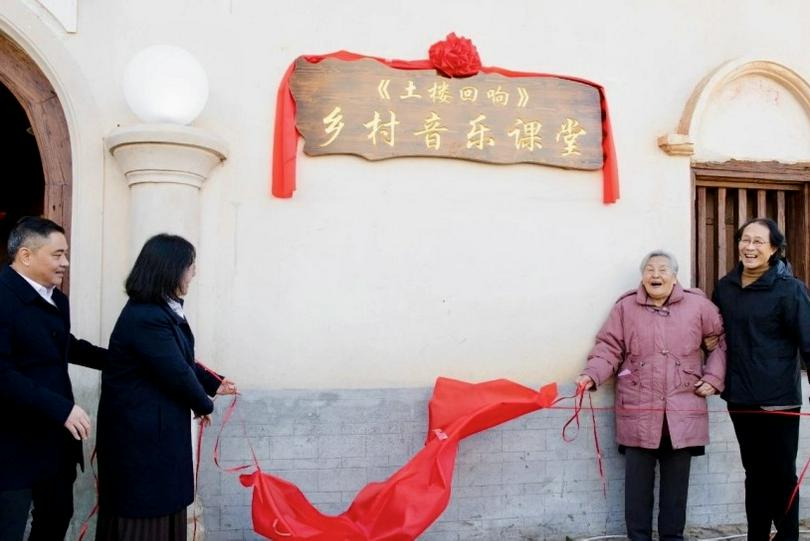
(227, 387)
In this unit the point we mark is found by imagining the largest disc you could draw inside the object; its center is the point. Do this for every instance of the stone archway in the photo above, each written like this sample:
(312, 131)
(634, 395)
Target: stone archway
(32, 89)
(746, 132)
(683, 141)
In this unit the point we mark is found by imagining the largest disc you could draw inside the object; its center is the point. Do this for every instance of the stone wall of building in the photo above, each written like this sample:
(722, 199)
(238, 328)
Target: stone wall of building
(518, 481)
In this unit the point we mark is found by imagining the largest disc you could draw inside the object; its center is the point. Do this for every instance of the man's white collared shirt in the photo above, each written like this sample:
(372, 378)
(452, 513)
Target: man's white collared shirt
(44, 292)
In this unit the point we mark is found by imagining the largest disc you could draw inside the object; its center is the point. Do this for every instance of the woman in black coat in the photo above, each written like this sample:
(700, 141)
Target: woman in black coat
(149, 385)
(766, 312)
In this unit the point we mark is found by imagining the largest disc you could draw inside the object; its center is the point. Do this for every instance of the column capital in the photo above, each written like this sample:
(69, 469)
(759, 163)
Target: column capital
(166, 153)
(677, 144)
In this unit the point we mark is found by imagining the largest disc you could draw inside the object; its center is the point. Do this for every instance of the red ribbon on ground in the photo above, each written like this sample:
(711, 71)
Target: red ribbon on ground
(407, 503)
(285, 138)
(404, 505)
(86, 523)
(225, 418)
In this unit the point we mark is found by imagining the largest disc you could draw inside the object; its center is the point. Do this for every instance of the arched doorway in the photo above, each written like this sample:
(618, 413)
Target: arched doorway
(747, 130)
(23, 188)
(36, 144)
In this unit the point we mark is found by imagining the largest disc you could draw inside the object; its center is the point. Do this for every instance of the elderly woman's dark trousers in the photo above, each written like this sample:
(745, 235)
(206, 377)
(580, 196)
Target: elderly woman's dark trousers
(639, 485)
(768, 446)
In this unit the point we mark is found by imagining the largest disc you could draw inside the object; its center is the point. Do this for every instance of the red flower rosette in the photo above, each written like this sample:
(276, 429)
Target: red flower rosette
(455, 56)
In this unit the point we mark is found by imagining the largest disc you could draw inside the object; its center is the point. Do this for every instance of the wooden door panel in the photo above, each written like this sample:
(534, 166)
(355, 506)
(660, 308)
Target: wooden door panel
(722, 204)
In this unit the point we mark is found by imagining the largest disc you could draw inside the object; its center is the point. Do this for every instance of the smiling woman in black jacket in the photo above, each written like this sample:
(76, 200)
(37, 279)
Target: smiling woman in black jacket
(766, 312)
(149, 386)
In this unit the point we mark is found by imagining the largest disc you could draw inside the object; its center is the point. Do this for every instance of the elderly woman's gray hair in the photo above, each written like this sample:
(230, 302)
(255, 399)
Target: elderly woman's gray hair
(673, 263)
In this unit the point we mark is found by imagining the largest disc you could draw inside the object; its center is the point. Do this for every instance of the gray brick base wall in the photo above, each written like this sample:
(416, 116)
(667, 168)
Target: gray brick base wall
(517, 481)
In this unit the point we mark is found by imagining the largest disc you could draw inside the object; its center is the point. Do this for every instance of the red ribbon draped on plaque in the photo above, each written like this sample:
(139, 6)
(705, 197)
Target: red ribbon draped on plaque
(409, 501)
(285, 142)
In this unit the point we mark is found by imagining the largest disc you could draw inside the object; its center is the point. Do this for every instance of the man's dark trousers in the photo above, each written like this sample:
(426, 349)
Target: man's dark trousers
(52, 500)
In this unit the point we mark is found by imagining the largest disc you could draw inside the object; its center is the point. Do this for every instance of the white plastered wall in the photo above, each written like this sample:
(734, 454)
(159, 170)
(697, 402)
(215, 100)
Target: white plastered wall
(393, 273)
(751, 109)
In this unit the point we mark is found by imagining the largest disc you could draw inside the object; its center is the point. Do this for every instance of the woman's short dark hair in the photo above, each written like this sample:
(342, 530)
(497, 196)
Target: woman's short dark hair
(775, 237)
(159, 268)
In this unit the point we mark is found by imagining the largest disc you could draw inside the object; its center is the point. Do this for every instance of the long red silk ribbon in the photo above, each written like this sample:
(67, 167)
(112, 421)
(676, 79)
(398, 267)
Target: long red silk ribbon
(408, 502)
(285, 139)
(86, 523)
(404, 505)
(578, 398)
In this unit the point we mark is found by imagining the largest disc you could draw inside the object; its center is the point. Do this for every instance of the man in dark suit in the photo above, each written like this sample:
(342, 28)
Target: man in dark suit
(43, 428)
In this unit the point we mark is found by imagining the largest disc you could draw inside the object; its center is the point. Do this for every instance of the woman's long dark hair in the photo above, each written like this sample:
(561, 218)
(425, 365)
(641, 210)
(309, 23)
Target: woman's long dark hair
(776, 237)
(159, 268)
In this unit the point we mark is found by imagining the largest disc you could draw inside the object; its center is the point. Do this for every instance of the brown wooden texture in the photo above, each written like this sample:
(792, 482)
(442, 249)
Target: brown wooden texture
(722, 263)
(693, 228)
(742, 206)
(780, 192)
(762, 202)
(364, 107)
(748, 184)
(702, 255)
(36, 95)
(780, 210)
(799, 216)
(759, 170)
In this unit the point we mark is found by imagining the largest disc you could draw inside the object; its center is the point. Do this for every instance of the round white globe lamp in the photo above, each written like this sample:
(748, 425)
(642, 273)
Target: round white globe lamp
(165, 84)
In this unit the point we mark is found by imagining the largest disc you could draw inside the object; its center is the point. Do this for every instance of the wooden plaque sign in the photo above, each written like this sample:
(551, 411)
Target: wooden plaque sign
(366, 108)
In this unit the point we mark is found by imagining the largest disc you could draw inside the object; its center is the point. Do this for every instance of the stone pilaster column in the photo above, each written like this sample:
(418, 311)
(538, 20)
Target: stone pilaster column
(165, 166)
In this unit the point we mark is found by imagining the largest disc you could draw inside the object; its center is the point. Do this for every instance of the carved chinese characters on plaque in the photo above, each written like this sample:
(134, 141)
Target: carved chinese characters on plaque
(366, 108)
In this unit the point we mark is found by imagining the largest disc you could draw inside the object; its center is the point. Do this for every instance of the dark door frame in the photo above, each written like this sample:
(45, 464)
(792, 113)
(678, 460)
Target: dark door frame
(21, 75)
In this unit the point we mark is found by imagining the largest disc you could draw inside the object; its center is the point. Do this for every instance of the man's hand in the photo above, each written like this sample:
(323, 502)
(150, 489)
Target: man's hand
(78, 423)
(227, 387)
(710, 342)
(704, 389)
(585, 382)
(205, 420)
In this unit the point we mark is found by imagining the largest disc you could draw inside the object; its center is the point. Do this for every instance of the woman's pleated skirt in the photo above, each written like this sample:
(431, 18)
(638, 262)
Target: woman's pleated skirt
(165, 528)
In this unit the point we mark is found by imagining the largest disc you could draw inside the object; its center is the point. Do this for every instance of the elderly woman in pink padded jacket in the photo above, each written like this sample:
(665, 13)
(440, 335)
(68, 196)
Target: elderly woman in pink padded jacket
(652, 344)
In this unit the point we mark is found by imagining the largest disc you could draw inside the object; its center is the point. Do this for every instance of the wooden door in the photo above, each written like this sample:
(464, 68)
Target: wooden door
(727, 195)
